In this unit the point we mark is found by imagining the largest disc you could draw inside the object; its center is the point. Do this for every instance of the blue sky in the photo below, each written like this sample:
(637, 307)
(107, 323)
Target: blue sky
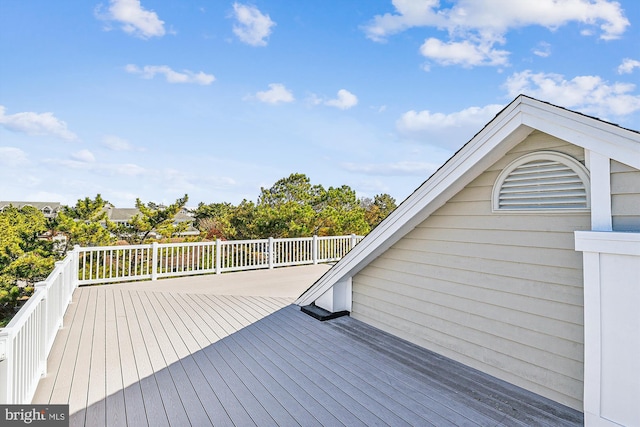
(158, 98)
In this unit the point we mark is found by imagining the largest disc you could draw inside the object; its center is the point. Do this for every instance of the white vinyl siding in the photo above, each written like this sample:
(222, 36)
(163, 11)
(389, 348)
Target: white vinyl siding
(625, 197)
(499, 292)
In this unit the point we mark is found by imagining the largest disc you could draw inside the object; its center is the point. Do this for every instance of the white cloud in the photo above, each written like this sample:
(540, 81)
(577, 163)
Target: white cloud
(588, 94)
(409, 14)
(449, 131)
(12, 157)
(463, 53)
(543, 49)
(186, 76)
(252, 26)
(81, 161)
(416, 122)
(36, 124)
(116, 143)
(276, 94)
(85, 156)
(128, 169)
(476, 26)
(628, 65)
(133, 18)
(402, 168)
(344, 101)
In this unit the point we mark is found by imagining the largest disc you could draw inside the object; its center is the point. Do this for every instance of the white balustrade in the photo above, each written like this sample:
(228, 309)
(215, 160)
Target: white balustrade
(112, 264)
(26, 341)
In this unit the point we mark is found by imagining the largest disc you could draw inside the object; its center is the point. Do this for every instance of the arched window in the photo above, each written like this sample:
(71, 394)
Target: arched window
(544, 180)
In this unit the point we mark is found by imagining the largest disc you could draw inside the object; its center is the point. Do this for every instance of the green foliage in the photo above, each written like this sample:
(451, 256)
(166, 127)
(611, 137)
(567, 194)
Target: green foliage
(153, 220)
(25, 258)
(214, 220)
(292, 207)
(85, 224)
(243, 221)
(378, 208)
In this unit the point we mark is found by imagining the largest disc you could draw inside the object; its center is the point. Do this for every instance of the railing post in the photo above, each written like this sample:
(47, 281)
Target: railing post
(75, 270)
(154, 261)
(353, 241)
(218, 256)
(44, 325)
(270, 251)
(314, 250)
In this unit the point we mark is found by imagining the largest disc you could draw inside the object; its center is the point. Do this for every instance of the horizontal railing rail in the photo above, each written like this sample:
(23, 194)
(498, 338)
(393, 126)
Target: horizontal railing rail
(112, 264)
(26, 341)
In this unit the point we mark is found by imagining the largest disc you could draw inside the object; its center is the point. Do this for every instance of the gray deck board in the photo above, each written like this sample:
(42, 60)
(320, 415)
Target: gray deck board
(382, 401)
(125, 404)
(114, 388)
(148, 356)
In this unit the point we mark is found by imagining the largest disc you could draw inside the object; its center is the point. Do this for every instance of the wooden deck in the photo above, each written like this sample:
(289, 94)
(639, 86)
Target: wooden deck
(137, 355)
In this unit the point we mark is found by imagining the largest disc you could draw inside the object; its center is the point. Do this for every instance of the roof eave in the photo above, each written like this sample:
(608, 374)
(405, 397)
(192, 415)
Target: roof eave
(508, 128)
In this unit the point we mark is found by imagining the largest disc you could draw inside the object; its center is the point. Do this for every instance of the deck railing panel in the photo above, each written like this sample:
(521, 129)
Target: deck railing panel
(27, 340)
(113, 264)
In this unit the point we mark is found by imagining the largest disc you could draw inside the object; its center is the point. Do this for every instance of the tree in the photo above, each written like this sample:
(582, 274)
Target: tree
(378, 208)
(293, 207)
(243, 221)
(24, 258)
(85, 224)
(295, 188)
(151, 221)
(215, 220)
(340, 213)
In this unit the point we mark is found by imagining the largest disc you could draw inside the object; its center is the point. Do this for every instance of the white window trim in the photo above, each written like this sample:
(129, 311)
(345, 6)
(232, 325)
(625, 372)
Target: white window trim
(566, 160)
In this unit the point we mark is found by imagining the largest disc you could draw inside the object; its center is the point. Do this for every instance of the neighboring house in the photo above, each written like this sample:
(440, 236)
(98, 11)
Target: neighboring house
(519, 257)
(49, 209)
(123, 215)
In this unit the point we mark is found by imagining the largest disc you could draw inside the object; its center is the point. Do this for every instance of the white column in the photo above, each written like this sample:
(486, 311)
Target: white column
(611, 327)
(600, 176)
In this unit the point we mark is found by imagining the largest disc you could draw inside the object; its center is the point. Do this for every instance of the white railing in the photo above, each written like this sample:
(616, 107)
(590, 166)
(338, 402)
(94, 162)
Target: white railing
(26, 341)
(112, 264)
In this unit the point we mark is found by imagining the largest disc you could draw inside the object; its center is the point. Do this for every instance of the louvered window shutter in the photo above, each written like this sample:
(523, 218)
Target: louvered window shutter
(543, 180)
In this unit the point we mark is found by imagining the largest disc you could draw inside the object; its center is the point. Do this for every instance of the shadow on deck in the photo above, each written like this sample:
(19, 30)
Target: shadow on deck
(131, 357)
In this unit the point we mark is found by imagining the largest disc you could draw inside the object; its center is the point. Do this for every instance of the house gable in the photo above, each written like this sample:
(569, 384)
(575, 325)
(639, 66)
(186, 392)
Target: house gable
(498, 291)
(510, 300)
(600, 140)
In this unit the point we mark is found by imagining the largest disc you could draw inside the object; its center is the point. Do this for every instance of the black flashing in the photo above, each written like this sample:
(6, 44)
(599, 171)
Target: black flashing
(320, 313)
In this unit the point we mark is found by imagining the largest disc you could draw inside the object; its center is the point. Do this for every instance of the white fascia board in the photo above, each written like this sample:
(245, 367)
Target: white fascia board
(589, 133)
(488, 146)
